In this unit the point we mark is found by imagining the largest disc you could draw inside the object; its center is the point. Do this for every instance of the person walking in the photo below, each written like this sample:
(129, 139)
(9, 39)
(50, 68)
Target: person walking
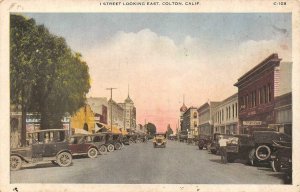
(223, 143)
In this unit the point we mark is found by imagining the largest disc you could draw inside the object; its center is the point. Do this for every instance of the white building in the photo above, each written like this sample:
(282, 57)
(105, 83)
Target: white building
(226, 115)
(129, 113)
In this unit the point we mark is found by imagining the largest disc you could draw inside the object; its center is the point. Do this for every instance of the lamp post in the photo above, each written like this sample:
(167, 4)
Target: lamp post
(110, 106)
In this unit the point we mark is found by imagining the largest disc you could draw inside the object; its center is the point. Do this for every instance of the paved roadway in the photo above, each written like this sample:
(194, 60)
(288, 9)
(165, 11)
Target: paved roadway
(140, 163)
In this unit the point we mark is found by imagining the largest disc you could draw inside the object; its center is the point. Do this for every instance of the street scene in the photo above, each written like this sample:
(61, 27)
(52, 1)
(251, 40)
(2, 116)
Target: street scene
(127, 98)
(151, 166)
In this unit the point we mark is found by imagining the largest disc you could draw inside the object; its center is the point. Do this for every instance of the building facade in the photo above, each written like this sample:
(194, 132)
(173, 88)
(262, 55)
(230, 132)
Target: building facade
(116, 113)
(283, 113)
(99, 105)
(83, 119)
(225, 116)
(257, 90)
(205, 118)
(129, 114)
(182, 110)
(190, 121)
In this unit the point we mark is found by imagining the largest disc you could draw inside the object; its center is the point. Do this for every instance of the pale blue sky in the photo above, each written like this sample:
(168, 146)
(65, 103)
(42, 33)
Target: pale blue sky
(86, 30)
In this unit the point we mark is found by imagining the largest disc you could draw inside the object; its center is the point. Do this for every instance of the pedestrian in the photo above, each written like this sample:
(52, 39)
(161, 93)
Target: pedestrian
(223, 143)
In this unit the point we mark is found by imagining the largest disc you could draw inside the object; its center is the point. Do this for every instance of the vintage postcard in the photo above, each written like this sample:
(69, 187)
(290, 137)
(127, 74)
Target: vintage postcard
(142, 95)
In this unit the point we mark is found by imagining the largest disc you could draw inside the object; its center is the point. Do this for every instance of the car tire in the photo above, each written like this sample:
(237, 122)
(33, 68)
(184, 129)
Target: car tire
(118, 146)
(259, 150)
(103, 150)
(276, 165)
(92, 152)
(213, 151)
(64, 159)
(15, 162)
(110, 148)
(130, 142)
(200, 148)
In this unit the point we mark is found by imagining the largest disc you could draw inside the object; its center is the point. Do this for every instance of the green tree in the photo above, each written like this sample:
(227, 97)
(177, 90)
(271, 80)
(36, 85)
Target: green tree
(151, 128)
(46, 76)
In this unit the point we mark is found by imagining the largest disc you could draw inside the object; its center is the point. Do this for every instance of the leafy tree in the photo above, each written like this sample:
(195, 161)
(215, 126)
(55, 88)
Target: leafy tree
(151, 128)
(46, 76)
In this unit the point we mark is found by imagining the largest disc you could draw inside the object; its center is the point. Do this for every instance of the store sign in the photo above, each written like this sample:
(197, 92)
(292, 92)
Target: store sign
(252, 122)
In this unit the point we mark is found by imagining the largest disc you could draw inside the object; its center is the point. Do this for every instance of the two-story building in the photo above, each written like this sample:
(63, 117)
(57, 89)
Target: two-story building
(226, 116)
(205, 118)
(256, 92)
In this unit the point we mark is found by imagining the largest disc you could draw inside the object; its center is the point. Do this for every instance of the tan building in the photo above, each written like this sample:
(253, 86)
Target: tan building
(116, 113)
(190, 121)
(129, 113)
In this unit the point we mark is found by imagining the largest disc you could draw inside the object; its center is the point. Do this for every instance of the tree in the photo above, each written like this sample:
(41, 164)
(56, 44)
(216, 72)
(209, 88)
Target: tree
(169, 130)
(46, 76)
(151, 128)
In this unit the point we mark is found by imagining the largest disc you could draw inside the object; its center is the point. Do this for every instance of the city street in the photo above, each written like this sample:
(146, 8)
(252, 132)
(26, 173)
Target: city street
(140, 163)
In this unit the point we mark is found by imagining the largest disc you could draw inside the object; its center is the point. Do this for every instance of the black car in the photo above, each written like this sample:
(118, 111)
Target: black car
(42, 146)
(203, 142)
(256, 148)
(99, 140)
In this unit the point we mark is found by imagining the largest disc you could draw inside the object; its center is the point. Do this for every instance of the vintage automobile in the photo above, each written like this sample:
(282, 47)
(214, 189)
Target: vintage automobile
(281, 157)
(81, 145)
(239, 147)
(113, 141)
(159, 140)
(255, 148)
(203, 142)
(98, 139)
(214, 146)
(42, 146)
(183, 137)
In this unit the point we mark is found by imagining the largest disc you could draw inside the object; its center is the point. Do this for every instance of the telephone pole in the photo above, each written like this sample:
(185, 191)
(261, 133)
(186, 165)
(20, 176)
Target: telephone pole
(110, 106)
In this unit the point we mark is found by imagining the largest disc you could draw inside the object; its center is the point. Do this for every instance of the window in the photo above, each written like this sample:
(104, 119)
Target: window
(247, 101)
(259, 96)
(270, 92)
(236, 110)
(195, 114)
(233, 111)
(266, 94)
(254, 98)
(222, 115)
(229, 112)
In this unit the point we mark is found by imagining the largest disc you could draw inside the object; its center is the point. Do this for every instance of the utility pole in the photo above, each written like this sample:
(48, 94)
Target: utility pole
(110, 106)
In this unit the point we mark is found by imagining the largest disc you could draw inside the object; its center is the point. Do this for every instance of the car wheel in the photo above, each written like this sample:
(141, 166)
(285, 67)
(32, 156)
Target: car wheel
(64, 159)
(110, 148)
(130, 141)
(92, 153)
(118, 146)
(15, 163)
(276, 165)
(103, 150)
(200, 148)
(213, 151)
(263, 152)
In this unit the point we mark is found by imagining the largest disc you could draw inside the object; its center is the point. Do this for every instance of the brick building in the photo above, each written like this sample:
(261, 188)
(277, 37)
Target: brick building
(257, 90)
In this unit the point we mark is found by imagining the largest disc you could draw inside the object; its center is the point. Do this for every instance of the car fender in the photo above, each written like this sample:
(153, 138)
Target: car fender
(21, 156)
(64, 150)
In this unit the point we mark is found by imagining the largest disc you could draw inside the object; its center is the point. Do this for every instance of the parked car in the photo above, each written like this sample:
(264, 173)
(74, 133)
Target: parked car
(183, 137)
(42, 146)
(99, 140)
(80, 145)
(255, 148)
(203, 142)
(240, 147)
(113, 141)
(214, 146)
(281, 157)
(159, 140)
